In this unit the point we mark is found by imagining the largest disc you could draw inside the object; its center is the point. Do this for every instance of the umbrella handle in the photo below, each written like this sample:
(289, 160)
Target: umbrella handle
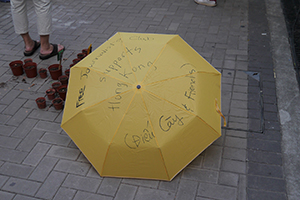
(220, 113)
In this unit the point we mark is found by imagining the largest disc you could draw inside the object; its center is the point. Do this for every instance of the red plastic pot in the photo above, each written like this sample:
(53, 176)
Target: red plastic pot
(16, 67)
(67, 72)
(41, 102)
(62, 91)
(55, 71)
(27, 60)
(51, 93)
(63, 79)
(75, 61)
(81, 56)
(71, 65)
(56, 85)
(85, 51)
(58, 103)
(43, 73)
(30, 69)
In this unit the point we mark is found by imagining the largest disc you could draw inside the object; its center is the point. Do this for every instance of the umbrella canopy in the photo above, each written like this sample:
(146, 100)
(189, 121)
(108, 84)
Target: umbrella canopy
(143, 106)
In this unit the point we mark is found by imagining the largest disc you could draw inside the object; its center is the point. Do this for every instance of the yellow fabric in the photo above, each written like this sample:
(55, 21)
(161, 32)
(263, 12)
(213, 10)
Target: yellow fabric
(149, 132)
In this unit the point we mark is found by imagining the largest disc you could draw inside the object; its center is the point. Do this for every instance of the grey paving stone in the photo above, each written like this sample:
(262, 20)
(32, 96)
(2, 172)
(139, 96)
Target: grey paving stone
(6, 195)
(212, 157)
(14, 106)
(63, 152)
(216, 191)
(65, 194)
(54, 138)
(3, 179)
(265, 195)
(236, 133)
(72, 167)
(12, 155)
(19, 117)
(187, 190)
(15, 170)
(242, 191)
(81, 157)
(21, 186)
(141, 182)
(43, 115)
(265, 183)
(51, 185)
(233, 166)
(10, 96)
(4, 118)
(36, 154)
(241, 82)
(150, 194)
(235, 154)
(264, 145)
(170, 185)
(126, 192)
(265, 157)
(24, 128)
(90, 196)
(93, 173)
(30, 140)
(238, 126)
(200, 175)
(235, 142)
(9, 142)
(82, 183)
(43, 169)
(48, 126)
(23, 197)
(197, 162)
(237, 103)
(109, 186)
(229, 179)
(173, 26)
(265, 170)
(238, 112)
(30, 95)
(220, 140)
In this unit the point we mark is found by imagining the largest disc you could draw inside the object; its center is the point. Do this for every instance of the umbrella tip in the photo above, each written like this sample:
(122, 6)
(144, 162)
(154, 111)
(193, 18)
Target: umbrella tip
(138, 86)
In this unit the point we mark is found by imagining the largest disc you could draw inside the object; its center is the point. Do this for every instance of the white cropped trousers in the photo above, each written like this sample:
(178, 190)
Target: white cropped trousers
(42, 10)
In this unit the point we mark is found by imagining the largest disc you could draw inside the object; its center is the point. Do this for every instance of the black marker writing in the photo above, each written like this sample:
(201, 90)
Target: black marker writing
(166, 123)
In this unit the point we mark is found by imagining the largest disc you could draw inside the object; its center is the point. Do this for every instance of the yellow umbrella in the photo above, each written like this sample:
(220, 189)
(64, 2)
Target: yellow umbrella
(143, 106)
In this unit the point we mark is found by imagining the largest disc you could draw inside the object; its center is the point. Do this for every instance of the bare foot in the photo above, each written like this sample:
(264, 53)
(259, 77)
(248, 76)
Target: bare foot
(50, 49)
(29, 46)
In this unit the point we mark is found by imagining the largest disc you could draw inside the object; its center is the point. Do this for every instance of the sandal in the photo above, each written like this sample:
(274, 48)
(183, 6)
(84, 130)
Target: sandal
(53, 53)
(35, 47)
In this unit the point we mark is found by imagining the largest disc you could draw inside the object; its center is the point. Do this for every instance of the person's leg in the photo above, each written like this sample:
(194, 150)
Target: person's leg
(29, 43)
(46, 47)
(44, 24)
(19, 15)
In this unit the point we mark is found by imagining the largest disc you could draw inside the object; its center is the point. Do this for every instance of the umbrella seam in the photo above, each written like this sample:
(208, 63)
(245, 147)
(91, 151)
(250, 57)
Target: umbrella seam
(180, 77)
(155, 60)
(116, 132)
(168, 176)
(128, 57)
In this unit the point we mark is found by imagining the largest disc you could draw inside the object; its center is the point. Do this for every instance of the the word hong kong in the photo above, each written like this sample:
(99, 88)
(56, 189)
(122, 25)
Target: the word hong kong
(115, 102)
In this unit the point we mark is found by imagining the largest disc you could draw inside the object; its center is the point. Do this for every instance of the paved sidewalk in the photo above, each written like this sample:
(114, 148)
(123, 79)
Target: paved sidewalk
(39, 161)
